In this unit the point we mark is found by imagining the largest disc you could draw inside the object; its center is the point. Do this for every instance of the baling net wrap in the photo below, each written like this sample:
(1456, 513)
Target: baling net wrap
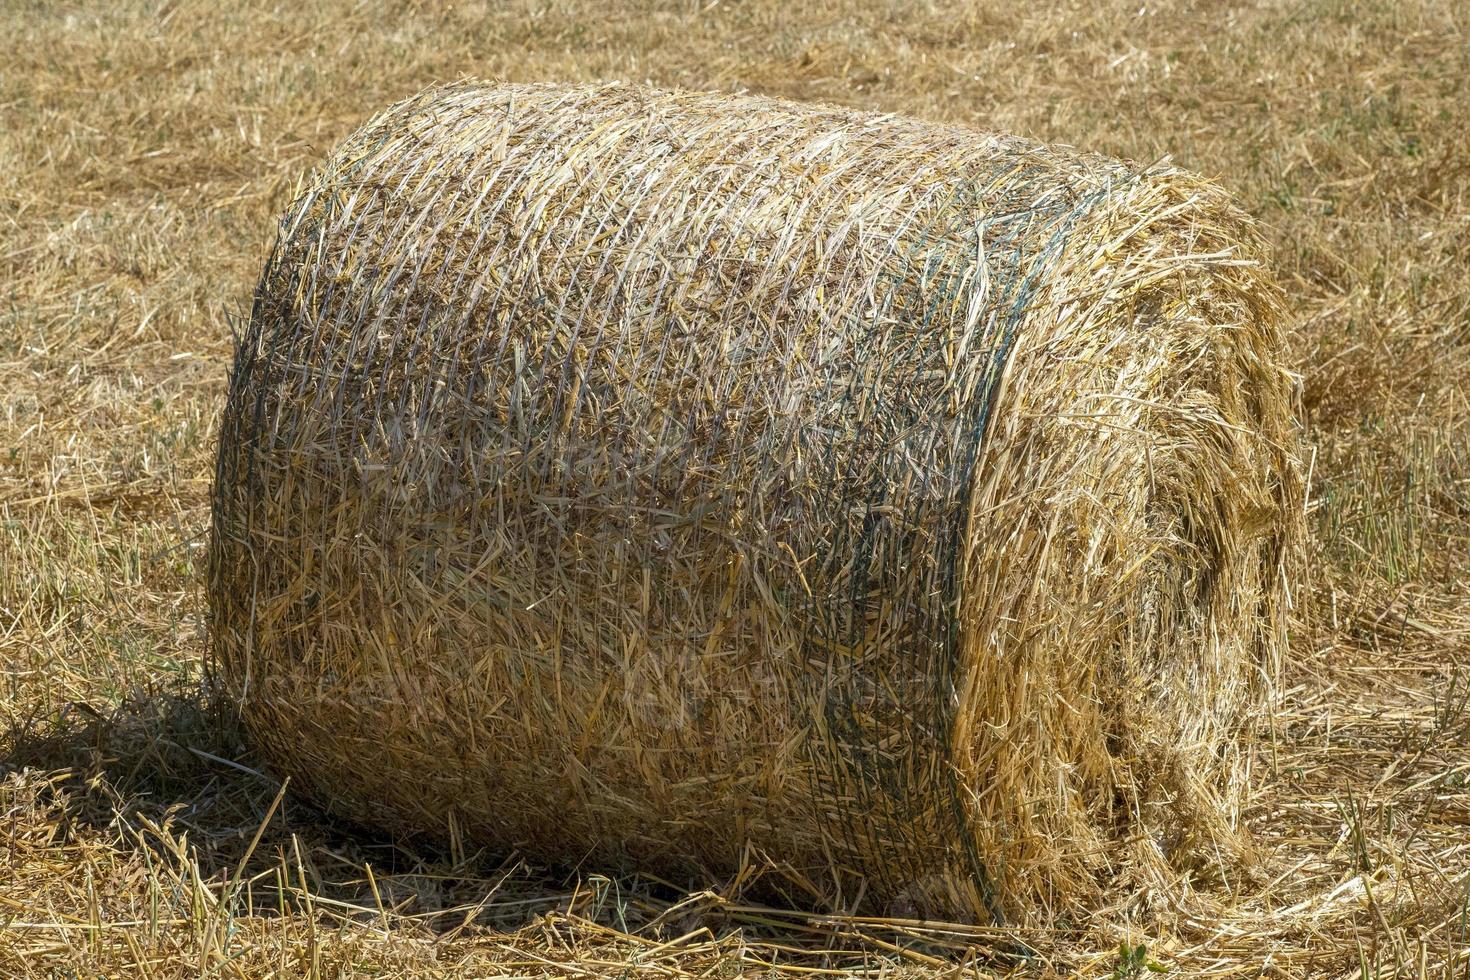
(702, 482)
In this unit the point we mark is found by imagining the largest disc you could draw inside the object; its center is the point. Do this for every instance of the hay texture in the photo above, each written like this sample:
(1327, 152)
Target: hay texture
(701, 482)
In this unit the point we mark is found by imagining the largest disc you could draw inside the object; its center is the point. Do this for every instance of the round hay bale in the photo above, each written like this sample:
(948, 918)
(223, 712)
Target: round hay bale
(698, 481)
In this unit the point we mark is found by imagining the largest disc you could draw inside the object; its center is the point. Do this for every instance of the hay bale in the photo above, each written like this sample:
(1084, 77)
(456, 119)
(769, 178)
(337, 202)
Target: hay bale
(691, 479)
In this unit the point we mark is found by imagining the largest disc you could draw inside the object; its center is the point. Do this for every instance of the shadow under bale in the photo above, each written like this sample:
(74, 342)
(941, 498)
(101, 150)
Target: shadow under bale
(164, 775)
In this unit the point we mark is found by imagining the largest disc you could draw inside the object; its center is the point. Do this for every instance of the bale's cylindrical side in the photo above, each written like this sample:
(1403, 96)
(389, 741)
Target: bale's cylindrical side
(691, 480)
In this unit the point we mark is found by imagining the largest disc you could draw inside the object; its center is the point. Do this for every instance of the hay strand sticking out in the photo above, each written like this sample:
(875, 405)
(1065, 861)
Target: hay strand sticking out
(685, 478)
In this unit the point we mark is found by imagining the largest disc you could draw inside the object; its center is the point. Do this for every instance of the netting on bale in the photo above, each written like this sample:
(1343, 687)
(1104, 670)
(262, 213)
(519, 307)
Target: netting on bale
(693, 481)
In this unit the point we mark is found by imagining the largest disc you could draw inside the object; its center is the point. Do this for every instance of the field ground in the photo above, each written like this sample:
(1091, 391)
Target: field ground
(145, 149)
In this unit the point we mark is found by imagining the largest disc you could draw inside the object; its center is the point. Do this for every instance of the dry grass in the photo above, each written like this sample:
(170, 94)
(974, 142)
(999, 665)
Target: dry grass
(145, 151)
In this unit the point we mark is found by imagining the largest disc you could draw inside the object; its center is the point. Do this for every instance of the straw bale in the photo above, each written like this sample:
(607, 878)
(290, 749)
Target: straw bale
(700, 482)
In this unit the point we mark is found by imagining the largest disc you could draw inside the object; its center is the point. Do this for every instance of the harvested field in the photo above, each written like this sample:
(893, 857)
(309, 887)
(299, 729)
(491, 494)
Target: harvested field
(148, 151)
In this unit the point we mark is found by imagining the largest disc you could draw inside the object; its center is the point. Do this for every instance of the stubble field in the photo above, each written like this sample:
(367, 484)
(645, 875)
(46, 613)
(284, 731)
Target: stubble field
(145, 150)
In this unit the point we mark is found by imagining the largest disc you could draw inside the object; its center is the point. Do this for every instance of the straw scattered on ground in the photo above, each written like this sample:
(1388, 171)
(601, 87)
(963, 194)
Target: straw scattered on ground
(147, 150)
